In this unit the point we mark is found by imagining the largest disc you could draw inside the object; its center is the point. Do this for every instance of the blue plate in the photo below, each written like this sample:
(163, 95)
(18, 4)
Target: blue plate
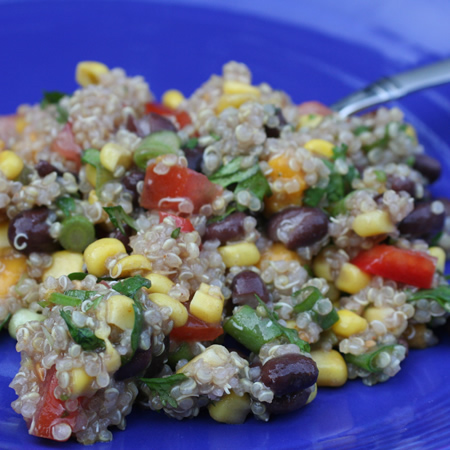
(317, 50)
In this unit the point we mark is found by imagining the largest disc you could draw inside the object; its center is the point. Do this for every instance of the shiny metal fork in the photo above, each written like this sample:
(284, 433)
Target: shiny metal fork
(392, 88)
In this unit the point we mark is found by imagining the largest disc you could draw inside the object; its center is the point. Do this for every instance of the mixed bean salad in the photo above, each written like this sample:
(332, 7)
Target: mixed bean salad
(231, 251)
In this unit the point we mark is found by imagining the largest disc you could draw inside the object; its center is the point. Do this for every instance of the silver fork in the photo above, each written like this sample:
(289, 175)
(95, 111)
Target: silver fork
(394, 87)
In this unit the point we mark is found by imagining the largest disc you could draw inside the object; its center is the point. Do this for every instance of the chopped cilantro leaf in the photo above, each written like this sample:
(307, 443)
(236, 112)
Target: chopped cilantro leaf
(66, 205)
(380, 175)
(84, 337)
(191, 143)
(163, 386)
(441, 295)
(130, 286)
(175, 233)
(119, 217)
(51, 98)
(91, 156)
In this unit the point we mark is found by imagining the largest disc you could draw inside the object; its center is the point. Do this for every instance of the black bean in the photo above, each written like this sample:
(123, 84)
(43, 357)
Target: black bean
(422, 222)
(194, 158)
(149, 124)
(288, 403)
(136, 366)
(298, 226)
(44, 168)
(130, 181)
(244, 287)
(429, 167)
(289, 373)
(446, 203)
(158, 361)
(29, 232)
(232, 227)
(399, 183)
(274, 132)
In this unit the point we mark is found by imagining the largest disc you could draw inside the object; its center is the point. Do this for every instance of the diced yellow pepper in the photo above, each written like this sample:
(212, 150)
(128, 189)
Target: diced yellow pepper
(205, 306)
(372, 313)
(160, 283)
(92, 197)
(320, 147)
(313, 395)
(4, 241)
(89, 72)
(179, 313)
(63, 263)
(114, 155)
(332, 368)
(352, 279)
(120, 312)
(215, 356)
(438, 253)
(13, 267)
(373, 223)
(10, 164)
(349, 323)
(280, 167)
(241, 254)
(130, 266)
(231, 408)
(98, 252)
(112, 358)
(236, 87)
(172, 98)
(91, 174)
(81, 382)
(278, 252)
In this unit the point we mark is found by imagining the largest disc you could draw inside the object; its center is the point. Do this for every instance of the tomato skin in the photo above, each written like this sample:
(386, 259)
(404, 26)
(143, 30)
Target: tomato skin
(196, 330)
(51, 410)
(185, 225)
(398, 264)
(313, 107)
(178, 182)
(182, 117)
(65, 145)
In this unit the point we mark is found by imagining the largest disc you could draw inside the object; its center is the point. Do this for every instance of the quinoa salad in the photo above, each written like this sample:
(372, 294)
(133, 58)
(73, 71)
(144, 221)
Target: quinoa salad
(229, 252)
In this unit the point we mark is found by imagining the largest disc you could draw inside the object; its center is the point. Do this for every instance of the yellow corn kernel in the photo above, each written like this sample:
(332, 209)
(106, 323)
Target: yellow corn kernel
(313, 395)
(309, 120)
(160, 283)
(352, 279)
(13, 267)
(92, 197)
(278, 252)
(234, 100)
(349, 323)
(179, 313)
(120, 312)
(231, 408)
(10, 164)
(114, 155)
(236, 87)
(372, 223)
(172, 98)
(20, 124)
(130, 266)
(242, 254)
(21, 317)
(98, 252)
(4, 241)
(81, 382)
(332, 368)
(321, 267)
(63, 263)
(438, 253)
(207, 305)
(214, 356)
(381, 314)
(320, 147)
(112, 358)
(91, 174)
(89, 72)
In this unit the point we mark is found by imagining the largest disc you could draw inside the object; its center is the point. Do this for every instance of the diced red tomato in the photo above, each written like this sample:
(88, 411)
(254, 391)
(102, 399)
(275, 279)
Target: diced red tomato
(51, 410)
(197, 330)
(7, 127)
(182, 117)
(65, 145)
(185, 225)
(177, 183)
(313, 107)
(398, 264)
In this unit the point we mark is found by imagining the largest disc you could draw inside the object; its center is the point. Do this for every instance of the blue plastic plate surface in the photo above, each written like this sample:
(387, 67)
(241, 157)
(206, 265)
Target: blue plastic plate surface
(314, 50)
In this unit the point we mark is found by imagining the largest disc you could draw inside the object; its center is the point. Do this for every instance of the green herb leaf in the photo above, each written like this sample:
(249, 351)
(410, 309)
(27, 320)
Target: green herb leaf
(441, 294)
(119, 217)
(410, 160)
(257, 185)
(131, 285)
(360, 130)
(84, 337)
(64, 300)
(380, 143)
(313, 196)
(5, 321)
(66, 204)
(340, 152)
(215, 136)
(51, 98)
(367, 360)
(290, 334)
(79, 294)
(380, 175)
(77, 276)
(191, 143)
(232, 173)
(175, 233)
(163, 386)
(91, 156)
(63, 114)
(96, 302)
